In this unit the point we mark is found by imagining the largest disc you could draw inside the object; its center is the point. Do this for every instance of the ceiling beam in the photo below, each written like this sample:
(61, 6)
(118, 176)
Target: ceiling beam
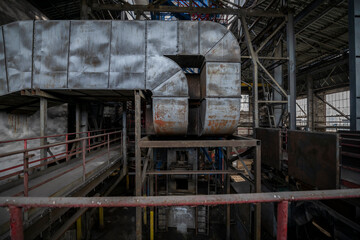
(191, 10)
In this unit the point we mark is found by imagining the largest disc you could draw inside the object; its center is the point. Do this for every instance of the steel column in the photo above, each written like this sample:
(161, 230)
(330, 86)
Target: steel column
(228, 207)
(124, 137)
(354, 64)
(257, 234)
(43, 128)
(278, 75)
(138, 162)
(254, 61)
(291, 48)
(310, 103)
(282, 220)
(77, 126)
(16, 223)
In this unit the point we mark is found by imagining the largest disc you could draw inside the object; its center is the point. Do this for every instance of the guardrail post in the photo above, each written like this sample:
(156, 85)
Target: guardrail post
(282, 219)
(67, 147)
(108, 147)
(83, 158)
(89, 140)
(26, 170)
(16, 223)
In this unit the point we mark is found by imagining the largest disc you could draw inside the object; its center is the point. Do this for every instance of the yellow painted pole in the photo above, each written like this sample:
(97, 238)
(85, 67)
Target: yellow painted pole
(101, 217)
(152, 225)
(127, 182)
(78, 229)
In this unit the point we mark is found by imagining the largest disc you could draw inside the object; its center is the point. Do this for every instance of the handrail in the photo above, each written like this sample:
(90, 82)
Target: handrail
(54, 144)
(78, 149)
(15, 204)
(58, 135)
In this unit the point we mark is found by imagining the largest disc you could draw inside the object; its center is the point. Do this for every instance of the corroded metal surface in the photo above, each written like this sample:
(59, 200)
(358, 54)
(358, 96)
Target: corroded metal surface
(271, 153)
(314, 158)
(170, 115)
(219, 115)
(97, 55)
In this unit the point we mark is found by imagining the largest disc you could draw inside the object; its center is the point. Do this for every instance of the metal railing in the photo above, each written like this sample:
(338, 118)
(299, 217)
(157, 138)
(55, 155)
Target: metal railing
(81, 146)
(15, 204)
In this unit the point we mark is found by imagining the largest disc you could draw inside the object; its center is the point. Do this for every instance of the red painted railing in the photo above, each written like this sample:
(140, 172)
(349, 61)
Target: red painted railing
(81, 146)
(282, 198)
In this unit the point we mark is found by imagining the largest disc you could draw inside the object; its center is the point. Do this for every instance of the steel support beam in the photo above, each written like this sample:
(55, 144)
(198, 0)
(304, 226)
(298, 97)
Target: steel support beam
(138, 162)
(77, 125)
(310, 103)
(257, 234)
(254, 60)
(291, 46)
(124, 137)
(197, 143)
(191, 10)
(228, 207)
(43, 129)
(354, 64)
(278, 76)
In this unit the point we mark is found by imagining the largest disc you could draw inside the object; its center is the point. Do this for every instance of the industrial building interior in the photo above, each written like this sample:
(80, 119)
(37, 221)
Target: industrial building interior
(179, 119)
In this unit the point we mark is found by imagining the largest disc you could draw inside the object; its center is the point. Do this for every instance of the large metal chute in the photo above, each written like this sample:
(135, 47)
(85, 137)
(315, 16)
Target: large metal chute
(128, 55)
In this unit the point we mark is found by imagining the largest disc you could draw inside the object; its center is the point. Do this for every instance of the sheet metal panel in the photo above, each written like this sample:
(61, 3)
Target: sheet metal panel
(271, 153)
(219, 115)
(18, 46)
(127, 62)
(188, 38)
(221, 80)
(161, 38)
(226, 50)
(210, 34)
(313, 158)
(51, 48)
(158, 70)
(170, 115)
(89, 54)
(3, 77)
(181, 218)
(175, 86)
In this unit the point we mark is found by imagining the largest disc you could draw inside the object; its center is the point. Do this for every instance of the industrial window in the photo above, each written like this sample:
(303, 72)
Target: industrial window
(244, 103)
(301, 112)
(341, 101)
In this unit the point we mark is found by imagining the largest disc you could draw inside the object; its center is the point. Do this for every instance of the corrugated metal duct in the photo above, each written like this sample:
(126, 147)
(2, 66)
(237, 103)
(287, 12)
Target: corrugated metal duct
(127, 55)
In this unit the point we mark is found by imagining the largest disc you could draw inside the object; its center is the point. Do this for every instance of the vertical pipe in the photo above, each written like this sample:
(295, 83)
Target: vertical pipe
(78, 229)
(16, 223)
(152, 225)
(291, 70)
(83, 158)
(138, 162)
(228, 212)
(124, 136)
(108, 148)
(282, 219)
(101, 217)
(258, 190)
(84, 10)
(43, 127)
(310, 104)
(26, 171)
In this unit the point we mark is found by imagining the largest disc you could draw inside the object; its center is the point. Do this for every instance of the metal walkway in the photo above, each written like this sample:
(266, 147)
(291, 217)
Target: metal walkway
(66, 173)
